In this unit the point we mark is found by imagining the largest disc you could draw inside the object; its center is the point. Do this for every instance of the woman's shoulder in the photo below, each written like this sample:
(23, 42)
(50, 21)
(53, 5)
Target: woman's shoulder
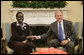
(14, 23)
(26, 24)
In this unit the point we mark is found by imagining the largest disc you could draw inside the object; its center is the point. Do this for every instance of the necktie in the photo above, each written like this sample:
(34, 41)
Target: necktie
(60, 32)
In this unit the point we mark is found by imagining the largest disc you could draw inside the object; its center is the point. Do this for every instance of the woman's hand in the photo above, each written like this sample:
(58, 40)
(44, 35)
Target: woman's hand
(25, 41)
(31, 37)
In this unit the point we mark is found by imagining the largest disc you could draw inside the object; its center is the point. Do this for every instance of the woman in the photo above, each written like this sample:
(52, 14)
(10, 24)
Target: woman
(20, 33)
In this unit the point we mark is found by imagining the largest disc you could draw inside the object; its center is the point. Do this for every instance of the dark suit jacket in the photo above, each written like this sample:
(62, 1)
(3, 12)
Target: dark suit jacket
(68, 30)
(18, 34)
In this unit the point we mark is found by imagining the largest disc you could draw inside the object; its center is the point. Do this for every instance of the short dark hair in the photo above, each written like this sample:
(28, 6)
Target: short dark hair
(18, 13)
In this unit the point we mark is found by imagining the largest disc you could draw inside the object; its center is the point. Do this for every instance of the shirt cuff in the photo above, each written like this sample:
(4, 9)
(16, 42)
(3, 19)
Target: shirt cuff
(69, 39)
(39, 37)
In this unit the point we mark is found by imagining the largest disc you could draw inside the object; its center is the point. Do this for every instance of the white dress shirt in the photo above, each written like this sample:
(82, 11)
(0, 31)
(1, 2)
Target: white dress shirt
(62, 28)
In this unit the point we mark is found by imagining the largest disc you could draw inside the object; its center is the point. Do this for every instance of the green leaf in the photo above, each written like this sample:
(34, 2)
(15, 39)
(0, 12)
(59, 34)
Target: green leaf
(39, 4)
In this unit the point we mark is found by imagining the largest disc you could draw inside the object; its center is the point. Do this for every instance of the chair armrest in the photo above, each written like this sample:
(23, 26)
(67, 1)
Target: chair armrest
(3, 39)
(9, 50)
(81, 38)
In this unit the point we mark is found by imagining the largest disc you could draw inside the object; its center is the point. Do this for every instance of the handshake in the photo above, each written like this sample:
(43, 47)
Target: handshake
(33, 37)
(30, 38)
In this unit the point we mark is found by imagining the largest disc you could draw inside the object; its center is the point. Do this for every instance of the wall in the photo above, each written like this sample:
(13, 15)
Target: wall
(75, 12)
(6, 14)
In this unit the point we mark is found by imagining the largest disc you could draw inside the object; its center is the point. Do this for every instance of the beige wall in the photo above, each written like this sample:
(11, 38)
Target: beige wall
(6, 14)
(75, 12)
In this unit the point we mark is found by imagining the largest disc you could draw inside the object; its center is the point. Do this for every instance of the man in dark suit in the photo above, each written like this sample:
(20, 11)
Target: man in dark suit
(20, 31)
(63, 33)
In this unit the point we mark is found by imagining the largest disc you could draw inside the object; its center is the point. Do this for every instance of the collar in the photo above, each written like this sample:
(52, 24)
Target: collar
(61, 22)
(19, 24)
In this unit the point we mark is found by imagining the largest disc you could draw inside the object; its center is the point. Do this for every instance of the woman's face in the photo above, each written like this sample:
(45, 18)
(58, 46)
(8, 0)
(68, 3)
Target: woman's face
(20, 18)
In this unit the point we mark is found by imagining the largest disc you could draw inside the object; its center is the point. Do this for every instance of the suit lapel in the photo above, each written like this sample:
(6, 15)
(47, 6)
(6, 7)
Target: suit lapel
(65, 28)
(56, 29)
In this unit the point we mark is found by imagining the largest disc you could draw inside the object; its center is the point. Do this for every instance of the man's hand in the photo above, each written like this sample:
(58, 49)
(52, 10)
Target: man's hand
(64, 42)
(36, 37)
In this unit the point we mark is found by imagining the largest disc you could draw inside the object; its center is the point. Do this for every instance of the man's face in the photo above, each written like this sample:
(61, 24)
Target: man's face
(59, 16)
(20, 18)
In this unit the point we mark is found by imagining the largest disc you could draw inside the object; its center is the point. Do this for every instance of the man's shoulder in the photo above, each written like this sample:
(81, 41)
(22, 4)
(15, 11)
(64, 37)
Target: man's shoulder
(53, 23)
(67, 21)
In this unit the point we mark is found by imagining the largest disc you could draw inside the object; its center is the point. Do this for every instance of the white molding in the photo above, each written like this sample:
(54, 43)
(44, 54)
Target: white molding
(26, 9)
(38, 16)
